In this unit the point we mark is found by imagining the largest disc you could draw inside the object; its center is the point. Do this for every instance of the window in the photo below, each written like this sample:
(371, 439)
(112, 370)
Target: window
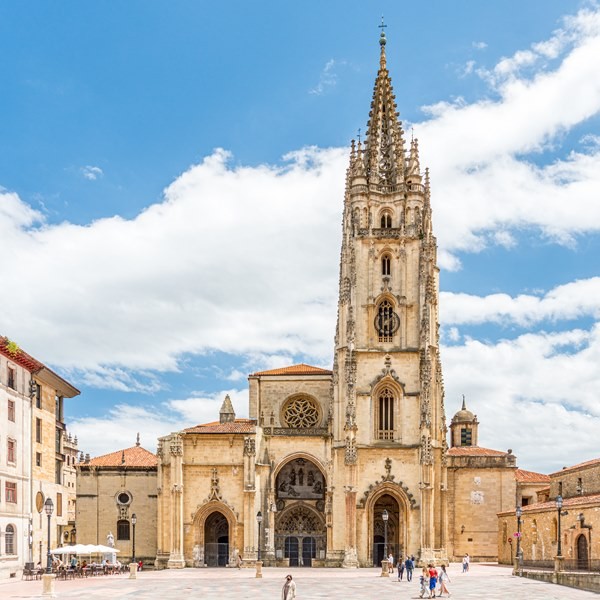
(11, 451)
(386, 220)
(38, 431)
(38, 459)
(122, 529)
(385, 265)
(124, 498)
(10, 488)
(554, 529)
(57, 438)
(58, 471)
(466, 437)
(59, 504)
(385, 415)
(301, 413)
(9, 540)
(11, 410)
(38, 395)
(11, 380)
(386, 321)
(58, 408)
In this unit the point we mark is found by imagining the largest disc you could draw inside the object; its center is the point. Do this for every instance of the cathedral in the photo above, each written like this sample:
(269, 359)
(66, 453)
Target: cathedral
(334, 467)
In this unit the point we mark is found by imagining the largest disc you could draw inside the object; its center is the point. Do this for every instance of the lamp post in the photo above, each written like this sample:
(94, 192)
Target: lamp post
(559, 504)
(259, 519)
(519, 513)
(385, 516)
(133, 522)
(49, 509)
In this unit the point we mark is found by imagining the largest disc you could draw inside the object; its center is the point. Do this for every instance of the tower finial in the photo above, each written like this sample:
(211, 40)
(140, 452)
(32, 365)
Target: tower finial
(464, 404)
(382, 42)
(137, 440)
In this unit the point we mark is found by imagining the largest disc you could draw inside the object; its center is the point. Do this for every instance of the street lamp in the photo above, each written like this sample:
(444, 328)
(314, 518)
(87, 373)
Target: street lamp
(259, 521)
(559, 504)
(385, 516)
(49, 509)
(519, 512)
(133, 522)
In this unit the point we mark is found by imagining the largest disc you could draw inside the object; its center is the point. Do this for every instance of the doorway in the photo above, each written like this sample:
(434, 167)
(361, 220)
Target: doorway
(216, 540)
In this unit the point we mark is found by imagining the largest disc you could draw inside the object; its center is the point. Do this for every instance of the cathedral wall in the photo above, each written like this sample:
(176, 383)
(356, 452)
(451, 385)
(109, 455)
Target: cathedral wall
(98, 509)
(475, 498)
(576, 481)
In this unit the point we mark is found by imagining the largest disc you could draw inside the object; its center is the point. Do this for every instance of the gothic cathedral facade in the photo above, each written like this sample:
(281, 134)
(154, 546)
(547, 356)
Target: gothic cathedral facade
(334, 468)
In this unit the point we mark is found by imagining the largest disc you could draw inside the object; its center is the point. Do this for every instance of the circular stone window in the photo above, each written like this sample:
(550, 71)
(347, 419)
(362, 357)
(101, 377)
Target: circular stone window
(124, 498)
(301, 413)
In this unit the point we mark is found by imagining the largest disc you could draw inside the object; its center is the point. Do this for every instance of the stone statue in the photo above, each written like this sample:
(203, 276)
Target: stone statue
(110, 539)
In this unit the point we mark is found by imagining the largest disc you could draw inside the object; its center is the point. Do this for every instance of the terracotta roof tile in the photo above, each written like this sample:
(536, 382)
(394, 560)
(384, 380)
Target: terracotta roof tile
(523, 476)
(20, 356)
(587, 463)
(567, 503)
(129, 457)
(300, 369)
(474, 451)
(237, 426)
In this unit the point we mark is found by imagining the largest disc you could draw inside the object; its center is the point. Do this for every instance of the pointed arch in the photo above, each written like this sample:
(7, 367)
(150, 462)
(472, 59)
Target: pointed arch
(387, 320)
(386, 218)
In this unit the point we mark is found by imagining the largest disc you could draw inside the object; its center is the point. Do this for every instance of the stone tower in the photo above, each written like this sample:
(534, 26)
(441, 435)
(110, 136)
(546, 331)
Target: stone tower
(464, 428)
(388, 410)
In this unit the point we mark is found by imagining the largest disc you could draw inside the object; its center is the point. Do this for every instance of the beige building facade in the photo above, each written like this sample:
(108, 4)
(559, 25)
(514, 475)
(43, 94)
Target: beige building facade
(113, 490)
(334, 465)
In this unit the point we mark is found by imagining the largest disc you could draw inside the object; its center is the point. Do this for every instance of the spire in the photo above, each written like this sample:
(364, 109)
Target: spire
(384, 144)
(414, 168)
(227, 414)
(464, 404)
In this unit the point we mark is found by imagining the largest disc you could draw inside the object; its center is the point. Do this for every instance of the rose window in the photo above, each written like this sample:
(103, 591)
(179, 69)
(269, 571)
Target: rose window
(301, 413)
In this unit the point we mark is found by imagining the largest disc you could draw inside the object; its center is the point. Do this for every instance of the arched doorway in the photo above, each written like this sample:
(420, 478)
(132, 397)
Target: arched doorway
(392, 530)
(216, 540)
(300, 532)
(582, 553)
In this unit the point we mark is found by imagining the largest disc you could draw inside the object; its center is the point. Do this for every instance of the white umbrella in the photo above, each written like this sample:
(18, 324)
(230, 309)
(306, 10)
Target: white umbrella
(76, 549)
(104, 549)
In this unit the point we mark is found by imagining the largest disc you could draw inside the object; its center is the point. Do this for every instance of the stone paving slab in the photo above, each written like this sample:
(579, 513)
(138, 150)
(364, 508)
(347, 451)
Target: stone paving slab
(483, 581)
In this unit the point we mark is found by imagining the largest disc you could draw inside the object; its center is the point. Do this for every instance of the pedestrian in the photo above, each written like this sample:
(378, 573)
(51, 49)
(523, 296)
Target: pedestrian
(465, 563)
(400, 569)
(424, 582)
(433, 574)
(444, 581)
(289, 589)
(391, 562)
(409, 564)
(238, 561)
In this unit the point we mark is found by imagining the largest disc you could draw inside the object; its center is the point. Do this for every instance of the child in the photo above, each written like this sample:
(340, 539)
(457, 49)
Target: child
(424, 583)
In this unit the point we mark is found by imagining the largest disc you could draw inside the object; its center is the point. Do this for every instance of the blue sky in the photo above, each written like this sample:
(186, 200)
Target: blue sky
(163, 164)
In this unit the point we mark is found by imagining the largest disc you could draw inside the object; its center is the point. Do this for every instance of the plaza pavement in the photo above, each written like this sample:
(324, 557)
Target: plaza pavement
(483, 581)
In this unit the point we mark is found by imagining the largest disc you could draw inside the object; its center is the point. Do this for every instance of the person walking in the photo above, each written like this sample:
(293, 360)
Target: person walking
(444, 581)
(433, 575)
(465, 563)
(288, 591)
(409, 564)
(391, 562)
(424, 582)
(400, 569)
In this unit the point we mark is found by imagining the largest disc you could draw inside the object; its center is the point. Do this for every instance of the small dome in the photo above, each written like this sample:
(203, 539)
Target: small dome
(464, 415)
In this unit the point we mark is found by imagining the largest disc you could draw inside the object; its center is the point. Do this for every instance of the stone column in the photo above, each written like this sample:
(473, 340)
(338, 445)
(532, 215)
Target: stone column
(176, 560)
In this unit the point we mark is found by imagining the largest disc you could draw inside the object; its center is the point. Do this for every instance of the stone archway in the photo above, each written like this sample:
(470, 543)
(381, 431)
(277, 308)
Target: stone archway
(392, 531)
(216, 540)
(582, 552)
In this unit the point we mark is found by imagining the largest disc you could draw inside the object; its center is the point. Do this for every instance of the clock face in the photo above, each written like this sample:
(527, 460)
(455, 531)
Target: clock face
(387, 323)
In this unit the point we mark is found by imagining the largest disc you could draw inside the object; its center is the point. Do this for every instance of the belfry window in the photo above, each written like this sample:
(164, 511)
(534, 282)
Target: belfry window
(386, 220)
(386, 321)
(385, 265)
(385, 415)
(465, 437)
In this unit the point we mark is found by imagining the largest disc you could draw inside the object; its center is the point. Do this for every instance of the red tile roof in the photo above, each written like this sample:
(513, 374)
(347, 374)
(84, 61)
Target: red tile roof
(19, 356)
(129, 457)
(567, 503)
(587, 463)
(237, 426)
(474, 451)
(523, 476)
(300, 369)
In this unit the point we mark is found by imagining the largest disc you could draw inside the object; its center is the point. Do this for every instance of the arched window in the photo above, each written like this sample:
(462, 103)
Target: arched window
(386, 321)
(386, 220)
(122, 529)
(385, 265)
(385, 414)
(9, 540)
(554, 530)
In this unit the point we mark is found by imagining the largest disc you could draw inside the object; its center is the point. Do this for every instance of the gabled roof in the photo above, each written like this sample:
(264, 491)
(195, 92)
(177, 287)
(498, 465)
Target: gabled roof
(567, 503)
(523, 476)
(587, 463)
(129, 457)
(237, 426)
(301, 369)
(474, 451)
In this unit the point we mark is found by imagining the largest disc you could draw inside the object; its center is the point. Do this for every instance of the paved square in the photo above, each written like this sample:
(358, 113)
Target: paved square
(483, 581)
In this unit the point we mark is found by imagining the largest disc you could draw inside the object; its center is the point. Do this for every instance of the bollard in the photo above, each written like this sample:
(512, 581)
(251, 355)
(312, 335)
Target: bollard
(133, 570)
(48, 585)
(385, 568)
(259, 569)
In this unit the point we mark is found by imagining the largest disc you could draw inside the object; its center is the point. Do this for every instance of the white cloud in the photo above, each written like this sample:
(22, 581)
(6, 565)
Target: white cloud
(565, 302)
(92, 173)
(480, 45)
(328, 78)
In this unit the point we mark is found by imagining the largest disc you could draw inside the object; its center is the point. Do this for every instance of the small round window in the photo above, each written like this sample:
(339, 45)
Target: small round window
(124, 498)
(301, 412)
